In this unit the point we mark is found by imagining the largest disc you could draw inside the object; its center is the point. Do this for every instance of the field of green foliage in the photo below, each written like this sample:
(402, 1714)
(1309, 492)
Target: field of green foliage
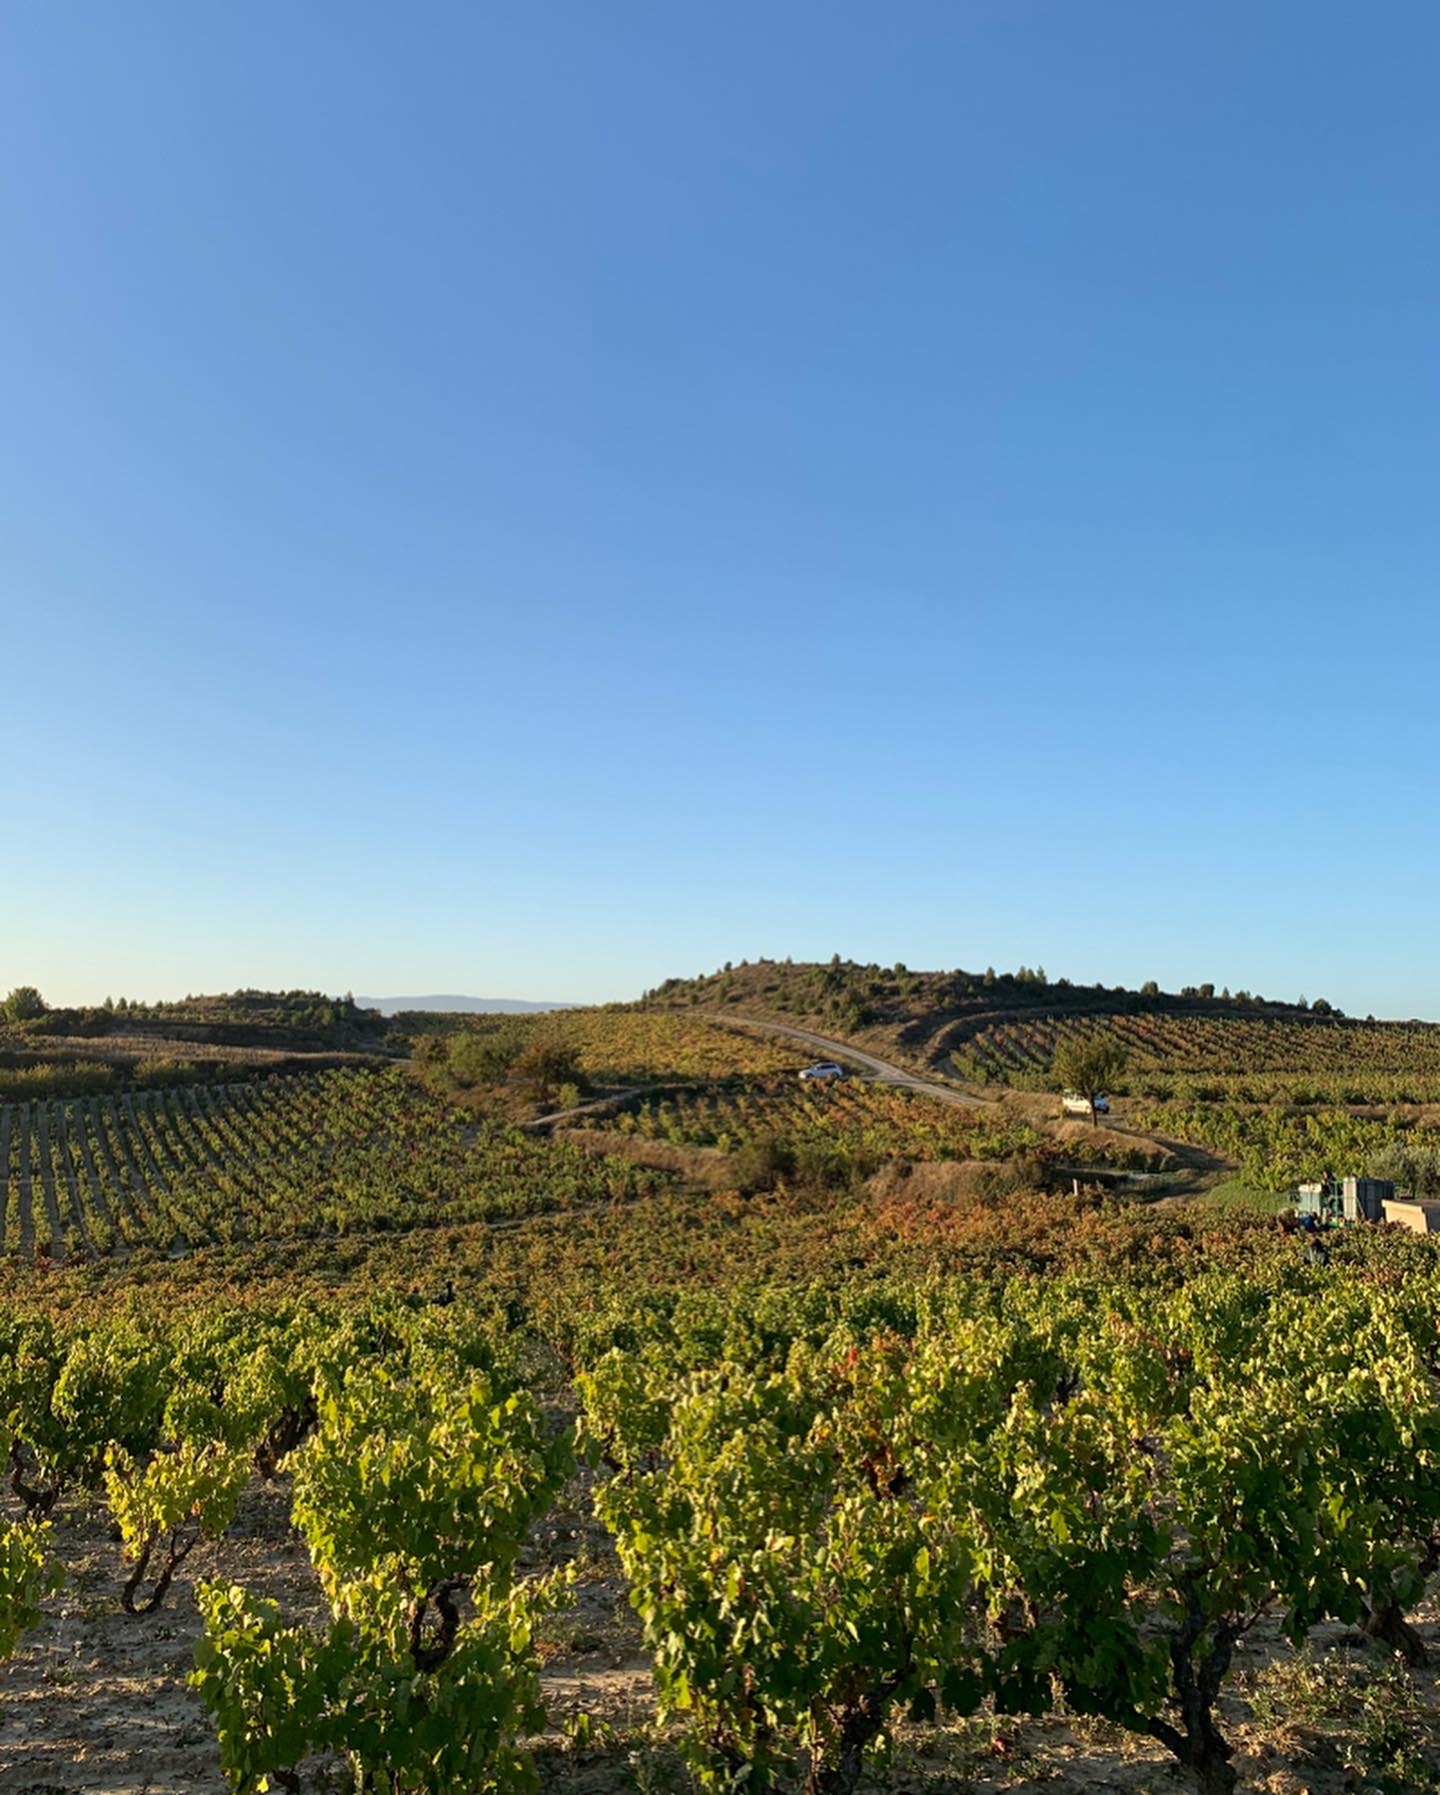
(355, 1426)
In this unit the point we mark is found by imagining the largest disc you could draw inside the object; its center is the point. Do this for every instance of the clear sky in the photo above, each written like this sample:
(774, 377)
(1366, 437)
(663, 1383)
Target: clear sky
(530, 499)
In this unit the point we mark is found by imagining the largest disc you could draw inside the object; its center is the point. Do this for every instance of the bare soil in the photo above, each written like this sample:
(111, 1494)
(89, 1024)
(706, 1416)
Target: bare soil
(96, 1701)
(704, 1168)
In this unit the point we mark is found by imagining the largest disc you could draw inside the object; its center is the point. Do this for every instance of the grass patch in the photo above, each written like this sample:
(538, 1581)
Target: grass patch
(1234, 1194)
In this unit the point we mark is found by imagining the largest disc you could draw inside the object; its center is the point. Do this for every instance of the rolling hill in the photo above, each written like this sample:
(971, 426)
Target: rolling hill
(1003, 1028)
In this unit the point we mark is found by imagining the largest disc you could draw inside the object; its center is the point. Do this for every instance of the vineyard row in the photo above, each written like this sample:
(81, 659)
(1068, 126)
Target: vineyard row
(1165, 1055)
(205, 1165)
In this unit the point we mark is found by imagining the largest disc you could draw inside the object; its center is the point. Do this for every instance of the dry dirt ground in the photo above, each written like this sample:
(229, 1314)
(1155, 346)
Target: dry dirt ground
(95, 1700)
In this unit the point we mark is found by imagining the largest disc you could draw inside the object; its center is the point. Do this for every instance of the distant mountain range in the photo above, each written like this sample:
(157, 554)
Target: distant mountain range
(508, 1006)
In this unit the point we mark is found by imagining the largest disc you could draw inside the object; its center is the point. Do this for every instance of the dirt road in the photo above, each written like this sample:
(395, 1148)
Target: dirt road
(880, 1071)
(1197, 1169)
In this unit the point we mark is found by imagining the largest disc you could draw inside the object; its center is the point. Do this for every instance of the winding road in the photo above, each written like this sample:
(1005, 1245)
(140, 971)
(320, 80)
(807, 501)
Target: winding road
(1194, 1164)
(881, 1071)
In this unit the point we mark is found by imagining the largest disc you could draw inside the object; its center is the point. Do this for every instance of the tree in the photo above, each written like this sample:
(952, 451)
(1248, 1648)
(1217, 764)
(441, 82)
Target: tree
(1410, 1164)
(23, 1004)
(545, 1066)
(472, 1058)
(1088, 1067)
(1150, 988)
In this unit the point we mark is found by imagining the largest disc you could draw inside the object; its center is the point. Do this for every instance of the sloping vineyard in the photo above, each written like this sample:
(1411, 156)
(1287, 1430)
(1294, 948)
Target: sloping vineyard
(1258, 1059)
(884, 1118)
(872, 1121)
(624, 1047)
(316, 1154)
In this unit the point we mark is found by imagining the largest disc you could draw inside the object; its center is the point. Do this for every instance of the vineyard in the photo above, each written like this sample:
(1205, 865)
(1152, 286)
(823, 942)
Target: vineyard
(873, 1122)
(847, 1519)
(1277, 1149)
(1253, 1060)
(318, 1154)
(732, 1113)
(840, 1480)
(627, 1047)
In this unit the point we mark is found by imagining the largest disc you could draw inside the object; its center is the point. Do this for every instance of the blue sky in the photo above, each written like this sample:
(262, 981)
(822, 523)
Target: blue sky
(528, 500)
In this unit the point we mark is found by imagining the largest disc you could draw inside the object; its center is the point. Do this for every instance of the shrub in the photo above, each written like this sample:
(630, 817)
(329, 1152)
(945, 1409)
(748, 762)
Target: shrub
(23, 1004)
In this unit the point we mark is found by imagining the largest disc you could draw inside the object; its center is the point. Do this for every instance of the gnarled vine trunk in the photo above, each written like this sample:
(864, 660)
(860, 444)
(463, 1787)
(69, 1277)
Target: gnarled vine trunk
(430, 1657)
(38, 1499)
(179, 1550)
(1198, 1743)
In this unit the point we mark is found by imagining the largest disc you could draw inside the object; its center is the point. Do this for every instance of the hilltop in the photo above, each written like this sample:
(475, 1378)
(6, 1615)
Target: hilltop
(126, 1043)
(249, 1018)
(1003, 1028)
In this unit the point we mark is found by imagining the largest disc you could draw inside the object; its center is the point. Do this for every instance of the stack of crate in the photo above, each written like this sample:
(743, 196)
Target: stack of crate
(1364, 1199)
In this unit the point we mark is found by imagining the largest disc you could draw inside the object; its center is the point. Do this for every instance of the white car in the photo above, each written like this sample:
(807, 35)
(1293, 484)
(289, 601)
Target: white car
(1075, 1105)
(826, 1069)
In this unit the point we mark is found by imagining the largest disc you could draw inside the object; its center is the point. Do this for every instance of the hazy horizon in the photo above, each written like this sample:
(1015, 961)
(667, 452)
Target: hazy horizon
(526, 1001)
